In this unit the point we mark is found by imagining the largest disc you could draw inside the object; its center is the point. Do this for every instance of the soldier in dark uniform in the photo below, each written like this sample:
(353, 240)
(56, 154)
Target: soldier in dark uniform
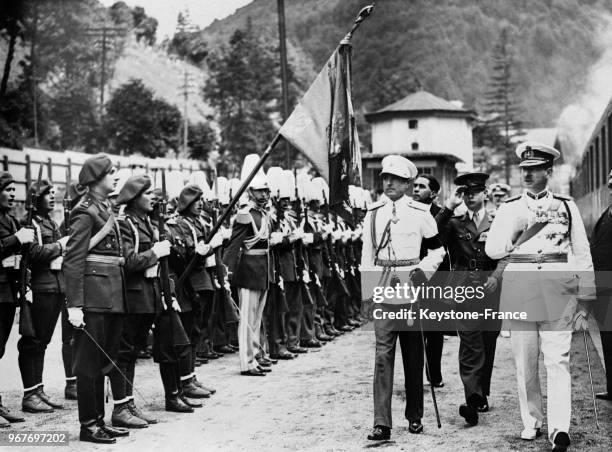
(142, 251)
(47, 285)
(465, 236)
(249, 270)
(93, 273)
(12, 237)
(74, 192)
(187, 234)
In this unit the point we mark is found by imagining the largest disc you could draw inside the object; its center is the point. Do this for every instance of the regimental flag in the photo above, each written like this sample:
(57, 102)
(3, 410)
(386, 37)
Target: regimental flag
(322, 127)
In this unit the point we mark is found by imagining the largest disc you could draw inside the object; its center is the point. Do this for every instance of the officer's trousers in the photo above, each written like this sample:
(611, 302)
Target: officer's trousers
(554, 340)
(67, 344)
(293, 318)
(46, 308)
(252, 303)
(476, 356)
(412, 359)
(7, 318)
(434, 343)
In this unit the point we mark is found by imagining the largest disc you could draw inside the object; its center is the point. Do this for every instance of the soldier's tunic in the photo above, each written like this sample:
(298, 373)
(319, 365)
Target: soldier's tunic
(93, 273)
(466, 245)
(10, 253)
(544, 275)
(248, 261)
(409, 224)
(47, 285)
(143, 294)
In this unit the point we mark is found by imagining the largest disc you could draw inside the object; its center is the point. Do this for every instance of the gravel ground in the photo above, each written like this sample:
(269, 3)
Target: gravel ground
(321, 401)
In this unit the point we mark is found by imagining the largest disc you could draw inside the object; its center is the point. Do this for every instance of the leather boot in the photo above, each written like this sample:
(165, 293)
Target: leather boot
(191, 390)
(123, 417)
(32, 403)
(6, 415)
(141, 414)
(176, 405)
(95, 434)
(70, 391)
(200, 385)
(45, 398)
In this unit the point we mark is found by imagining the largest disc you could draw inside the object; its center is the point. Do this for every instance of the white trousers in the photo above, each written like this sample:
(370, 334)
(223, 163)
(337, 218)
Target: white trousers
(528, 338)
(252, 303)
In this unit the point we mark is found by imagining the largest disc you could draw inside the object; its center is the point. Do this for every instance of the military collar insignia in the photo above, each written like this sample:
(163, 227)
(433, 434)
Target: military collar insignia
(540, 195)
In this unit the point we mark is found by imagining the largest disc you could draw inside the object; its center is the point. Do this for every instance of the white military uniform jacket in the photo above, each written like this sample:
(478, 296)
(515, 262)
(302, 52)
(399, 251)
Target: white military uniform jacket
(414, 223)
(545, 290)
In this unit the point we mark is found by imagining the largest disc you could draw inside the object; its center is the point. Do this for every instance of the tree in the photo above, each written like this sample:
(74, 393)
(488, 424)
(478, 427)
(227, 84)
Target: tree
(137, 122)
(243, 88)
(11, 26)
(502, 108)
(202, 139)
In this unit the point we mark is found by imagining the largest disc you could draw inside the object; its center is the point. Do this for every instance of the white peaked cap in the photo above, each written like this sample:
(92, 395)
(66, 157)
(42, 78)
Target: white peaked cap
(174, 183)
(122, 176)
(319, 186)
(223, 187)
(199, 178)
(259, 181)
(302, 183)
(355, 196)
(287, 189)
(275, 179)
(399, 166)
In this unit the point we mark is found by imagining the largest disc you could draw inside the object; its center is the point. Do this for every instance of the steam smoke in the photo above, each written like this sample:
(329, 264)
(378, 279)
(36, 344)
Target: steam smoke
(577, 121)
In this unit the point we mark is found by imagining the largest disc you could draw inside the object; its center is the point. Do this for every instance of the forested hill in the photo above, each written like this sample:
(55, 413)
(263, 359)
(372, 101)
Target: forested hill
(444, 46)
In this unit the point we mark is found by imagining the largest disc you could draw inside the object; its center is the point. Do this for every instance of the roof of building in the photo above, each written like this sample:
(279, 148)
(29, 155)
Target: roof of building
(420, 103)
(413, 155)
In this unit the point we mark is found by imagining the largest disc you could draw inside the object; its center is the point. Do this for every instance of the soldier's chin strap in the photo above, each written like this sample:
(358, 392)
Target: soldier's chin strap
(144, 399)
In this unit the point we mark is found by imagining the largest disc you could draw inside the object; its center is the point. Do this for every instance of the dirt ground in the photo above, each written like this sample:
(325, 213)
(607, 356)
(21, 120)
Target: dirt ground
(321, 401)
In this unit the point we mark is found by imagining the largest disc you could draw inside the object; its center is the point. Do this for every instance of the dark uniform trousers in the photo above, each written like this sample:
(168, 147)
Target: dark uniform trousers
(412, 358)
(293, 317)
(7, 318)
(48, 299)
(67, 344)
(9, 245)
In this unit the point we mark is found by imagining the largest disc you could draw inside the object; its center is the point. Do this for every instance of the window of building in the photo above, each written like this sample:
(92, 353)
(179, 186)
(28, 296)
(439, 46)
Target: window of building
(413, 123)
(415, 146)
(425, 170)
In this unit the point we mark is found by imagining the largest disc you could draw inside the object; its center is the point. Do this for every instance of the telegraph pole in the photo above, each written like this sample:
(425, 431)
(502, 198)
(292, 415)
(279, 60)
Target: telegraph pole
(284, 81)
(186, 89)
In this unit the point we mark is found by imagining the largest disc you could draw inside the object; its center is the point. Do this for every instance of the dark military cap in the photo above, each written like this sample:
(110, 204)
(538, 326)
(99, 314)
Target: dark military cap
(189, 194)
(133, 188)
(533, 153)
(39, 189)
(94, 169)
(5, 179)
(472, 180)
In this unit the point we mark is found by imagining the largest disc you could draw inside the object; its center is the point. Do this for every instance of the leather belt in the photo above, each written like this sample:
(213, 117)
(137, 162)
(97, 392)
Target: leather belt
(396, 263)
(474, 264)
(102, 259)
(256, 252)
(542, 258)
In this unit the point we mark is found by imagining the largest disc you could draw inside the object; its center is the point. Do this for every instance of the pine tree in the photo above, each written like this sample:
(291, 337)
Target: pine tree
(502, 108)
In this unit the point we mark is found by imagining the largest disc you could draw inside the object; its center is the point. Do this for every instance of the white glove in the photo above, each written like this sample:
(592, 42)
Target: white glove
(346, 235)
(202, 248)
(281, 284)
(329, 228)
(276, 238)
(226, 233)
(25, 235)
(28, 296)
(63, 241)
(336, 235)
(56, 264)
(217, 240)
(76, 317)
(305, 276)
(161, 249)
(308, 238)
(175, 305)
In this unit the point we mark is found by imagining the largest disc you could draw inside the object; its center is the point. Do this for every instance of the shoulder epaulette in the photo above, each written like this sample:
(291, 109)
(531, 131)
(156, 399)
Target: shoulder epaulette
(562, 197)
(377, 204)
(514, 198)
(418, 205)
(244, 216)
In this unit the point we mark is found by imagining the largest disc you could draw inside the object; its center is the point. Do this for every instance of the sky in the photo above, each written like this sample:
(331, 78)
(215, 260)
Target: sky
(202, 12)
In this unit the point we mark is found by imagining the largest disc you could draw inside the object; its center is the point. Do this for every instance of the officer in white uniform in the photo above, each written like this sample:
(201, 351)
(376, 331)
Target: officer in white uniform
(499, 194)
(393, 231)
(549, 275)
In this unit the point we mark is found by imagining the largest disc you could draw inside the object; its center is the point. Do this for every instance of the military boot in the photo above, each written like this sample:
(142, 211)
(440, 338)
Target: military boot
(32, 403)
(70, 391)
(123, 417)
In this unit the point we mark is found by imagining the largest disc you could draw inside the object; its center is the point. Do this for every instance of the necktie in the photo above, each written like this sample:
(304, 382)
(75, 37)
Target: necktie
(476, 219)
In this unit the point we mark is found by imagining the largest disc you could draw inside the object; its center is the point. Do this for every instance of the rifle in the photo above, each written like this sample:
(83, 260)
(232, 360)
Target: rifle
(164, 270)
(66, 203)
(26, 323)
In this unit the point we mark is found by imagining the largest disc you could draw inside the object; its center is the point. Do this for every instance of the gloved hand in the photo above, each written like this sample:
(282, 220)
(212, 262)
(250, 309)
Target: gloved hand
(202, 248)
(217, 240)
(308, 238)
(28, 296)
(276, 238)
(175, 305)
(63, 241)
(161, 249)
(226, 233)
(336, 235)
(76, 317)
(25, 235)
(346, 235)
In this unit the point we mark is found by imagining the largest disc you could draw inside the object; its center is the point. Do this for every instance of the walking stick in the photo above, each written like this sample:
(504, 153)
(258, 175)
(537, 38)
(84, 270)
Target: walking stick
(586, 349)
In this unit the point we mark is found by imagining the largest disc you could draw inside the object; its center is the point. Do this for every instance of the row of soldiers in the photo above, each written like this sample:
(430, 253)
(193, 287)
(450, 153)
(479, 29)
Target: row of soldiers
(280, 277)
